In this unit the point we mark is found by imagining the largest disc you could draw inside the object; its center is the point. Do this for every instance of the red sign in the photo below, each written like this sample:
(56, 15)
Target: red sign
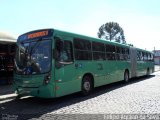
(37, 34)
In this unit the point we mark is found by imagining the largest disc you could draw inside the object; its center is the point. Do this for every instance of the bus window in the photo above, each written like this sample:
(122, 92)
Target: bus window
(82, 44)
(98, 47)
(64, 52)
(118, 53)
(98, 56)
(145, 56)
(118, 49)
(58, 48)
(110, 52)
(141, 56)
(110, 56)
(98, 51)
(152, 58)
(138, 55)
(110, 48)
(82, 49)
(83, 55)
(67, 52)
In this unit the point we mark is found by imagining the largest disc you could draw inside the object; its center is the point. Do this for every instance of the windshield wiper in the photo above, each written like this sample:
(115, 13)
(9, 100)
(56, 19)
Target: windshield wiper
(36, 44)
(20, 49)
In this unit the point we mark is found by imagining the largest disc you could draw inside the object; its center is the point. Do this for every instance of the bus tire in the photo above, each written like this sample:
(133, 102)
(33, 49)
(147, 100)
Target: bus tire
(87, 85)
(126, 76)
(18, 97)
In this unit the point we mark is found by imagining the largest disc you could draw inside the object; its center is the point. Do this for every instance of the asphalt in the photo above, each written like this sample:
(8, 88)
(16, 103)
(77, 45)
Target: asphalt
(6, 92)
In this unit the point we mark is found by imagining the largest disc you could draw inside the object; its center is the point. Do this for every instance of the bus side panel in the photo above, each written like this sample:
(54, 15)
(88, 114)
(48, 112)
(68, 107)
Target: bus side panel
(141, 68)
(98, 68)
(67, 81)
(44, 91)
(69, 87)
(121, 66)
(111, 70)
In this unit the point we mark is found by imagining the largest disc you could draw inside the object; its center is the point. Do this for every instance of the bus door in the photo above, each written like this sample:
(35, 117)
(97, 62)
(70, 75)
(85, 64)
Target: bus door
(64, 67)
(133, 58)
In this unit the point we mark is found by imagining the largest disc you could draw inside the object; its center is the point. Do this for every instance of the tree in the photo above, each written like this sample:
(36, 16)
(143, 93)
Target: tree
(112, 31)
(130, 45)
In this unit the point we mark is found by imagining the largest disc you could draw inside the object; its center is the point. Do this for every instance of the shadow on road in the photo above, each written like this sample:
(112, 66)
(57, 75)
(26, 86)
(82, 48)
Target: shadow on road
(33, 107)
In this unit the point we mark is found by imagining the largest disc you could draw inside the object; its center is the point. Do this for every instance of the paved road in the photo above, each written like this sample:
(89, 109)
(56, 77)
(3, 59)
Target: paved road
(139, 96)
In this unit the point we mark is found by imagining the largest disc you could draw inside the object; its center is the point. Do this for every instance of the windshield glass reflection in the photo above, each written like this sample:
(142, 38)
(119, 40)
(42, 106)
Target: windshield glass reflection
(33, 57)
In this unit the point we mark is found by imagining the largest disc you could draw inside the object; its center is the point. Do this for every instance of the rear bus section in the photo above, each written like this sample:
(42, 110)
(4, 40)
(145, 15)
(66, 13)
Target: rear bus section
(145, 63)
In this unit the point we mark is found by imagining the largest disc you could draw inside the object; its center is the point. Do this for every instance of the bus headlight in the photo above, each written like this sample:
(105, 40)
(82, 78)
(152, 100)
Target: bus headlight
(47, 78)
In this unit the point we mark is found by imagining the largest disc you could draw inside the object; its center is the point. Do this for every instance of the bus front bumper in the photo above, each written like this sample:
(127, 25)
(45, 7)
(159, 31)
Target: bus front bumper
(45, 91)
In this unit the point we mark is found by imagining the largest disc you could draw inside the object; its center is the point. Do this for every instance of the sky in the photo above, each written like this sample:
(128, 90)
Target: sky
(140, 19)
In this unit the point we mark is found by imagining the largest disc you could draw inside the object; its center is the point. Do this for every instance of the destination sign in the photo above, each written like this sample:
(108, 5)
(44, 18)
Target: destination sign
(36, 34)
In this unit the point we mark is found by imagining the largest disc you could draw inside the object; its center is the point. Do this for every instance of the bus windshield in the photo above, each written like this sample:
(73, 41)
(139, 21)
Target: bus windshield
(33, 57)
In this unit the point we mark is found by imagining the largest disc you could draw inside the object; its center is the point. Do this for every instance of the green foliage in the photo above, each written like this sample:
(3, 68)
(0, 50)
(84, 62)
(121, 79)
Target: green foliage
(130, 45)
(112, 31)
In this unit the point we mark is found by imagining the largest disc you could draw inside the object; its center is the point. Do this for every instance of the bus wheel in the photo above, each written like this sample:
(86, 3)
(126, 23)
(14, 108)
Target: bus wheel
(86, 87)
(126, 76)
(17, 97)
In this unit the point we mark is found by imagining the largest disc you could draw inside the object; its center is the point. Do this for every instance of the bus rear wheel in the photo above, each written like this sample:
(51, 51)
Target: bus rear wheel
(87, 85)
(126, 76)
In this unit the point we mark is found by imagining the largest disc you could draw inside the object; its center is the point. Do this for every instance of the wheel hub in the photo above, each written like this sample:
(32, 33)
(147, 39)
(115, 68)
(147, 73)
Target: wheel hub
(87, 86)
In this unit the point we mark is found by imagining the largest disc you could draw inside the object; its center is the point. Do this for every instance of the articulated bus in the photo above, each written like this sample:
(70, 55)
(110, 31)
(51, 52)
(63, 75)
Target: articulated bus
(52, 63)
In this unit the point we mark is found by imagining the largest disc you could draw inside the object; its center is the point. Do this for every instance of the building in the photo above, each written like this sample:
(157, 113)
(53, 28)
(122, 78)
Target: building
(7, 52)
(157, 57)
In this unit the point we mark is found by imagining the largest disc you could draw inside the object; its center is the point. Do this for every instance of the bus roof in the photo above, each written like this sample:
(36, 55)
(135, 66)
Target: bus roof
(70, 34)
(98, 39)
(89, 38)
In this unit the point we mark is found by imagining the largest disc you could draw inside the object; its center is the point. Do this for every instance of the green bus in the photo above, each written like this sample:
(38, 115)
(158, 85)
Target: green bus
(52, 63)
